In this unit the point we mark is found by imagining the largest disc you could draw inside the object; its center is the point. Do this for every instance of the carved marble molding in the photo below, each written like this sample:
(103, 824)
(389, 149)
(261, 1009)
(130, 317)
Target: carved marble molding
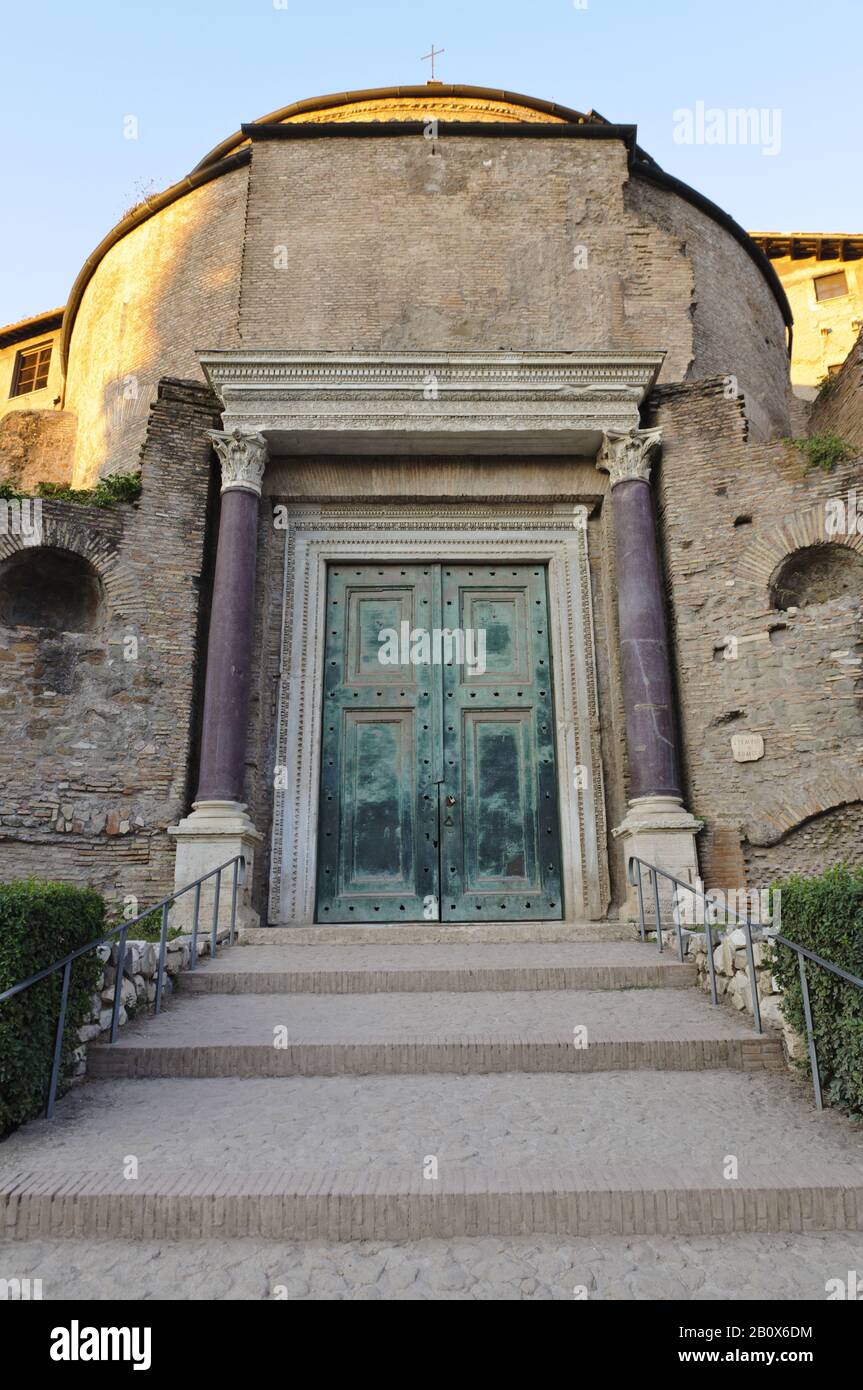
(319, 535)
(431, 402)
(243, 456)
(625, 456)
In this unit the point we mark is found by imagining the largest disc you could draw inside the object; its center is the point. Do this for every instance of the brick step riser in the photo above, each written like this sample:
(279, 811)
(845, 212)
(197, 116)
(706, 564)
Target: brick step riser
(420, 1058)
(399, 1215)
(437, 981)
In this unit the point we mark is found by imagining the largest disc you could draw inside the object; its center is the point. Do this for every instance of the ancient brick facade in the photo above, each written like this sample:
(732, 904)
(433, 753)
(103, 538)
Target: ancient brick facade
(99, 724)
(838, 408)
(731, 510)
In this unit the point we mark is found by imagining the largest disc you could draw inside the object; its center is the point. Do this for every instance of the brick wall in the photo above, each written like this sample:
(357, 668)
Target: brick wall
(730, 510)
(96, 758)
(838, 408)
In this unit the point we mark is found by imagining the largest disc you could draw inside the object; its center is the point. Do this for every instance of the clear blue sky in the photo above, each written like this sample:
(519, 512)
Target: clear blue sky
(192, 70)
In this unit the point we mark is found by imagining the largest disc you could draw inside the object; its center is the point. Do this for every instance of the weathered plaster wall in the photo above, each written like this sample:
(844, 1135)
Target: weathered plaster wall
(167, 288)
(97, 749)
(730, 512)
(42, 399)
(824, 331)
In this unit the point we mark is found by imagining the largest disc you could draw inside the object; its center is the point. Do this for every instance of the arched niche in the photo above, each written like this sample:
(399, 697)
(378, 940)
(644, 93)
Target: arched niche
(817, 574)
(50, 588)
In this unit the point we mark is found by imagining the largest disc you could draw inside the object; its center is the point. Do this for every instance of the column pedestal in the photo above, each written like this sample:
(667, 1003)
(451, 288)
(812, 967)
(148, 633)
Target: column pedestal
(215, 832)
(661, 831)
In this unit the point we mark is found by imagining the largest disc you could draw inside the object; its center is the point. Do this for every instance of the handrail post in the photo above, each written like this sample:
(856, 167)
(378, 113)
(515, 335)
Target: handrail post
(234, 888)
(640, 887)
(810, 1033)
(58, 1042)
(676, 910)
(193, 963)
(163, 946)
(654, 876)
(714, 997)
(118, 984)
(215, 933)
(753, 978)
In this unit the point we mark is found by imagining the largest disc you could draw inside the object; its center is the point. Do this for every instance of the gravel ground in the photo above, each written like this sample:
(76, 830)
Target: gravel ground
(728, 1268)
(535, 955)
(614, 1120)
(549, 1015)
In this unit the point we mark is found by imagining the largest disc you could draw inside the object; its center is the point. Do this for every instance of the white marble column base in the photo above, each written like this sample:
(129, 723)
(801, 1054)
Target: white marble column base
(659, 830)
(215, 832)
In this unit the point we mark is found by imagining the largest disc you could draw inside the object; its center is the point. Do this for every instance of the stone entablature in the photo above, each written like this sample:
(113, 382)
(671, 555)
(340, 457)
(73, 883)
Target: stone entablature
(436, 402)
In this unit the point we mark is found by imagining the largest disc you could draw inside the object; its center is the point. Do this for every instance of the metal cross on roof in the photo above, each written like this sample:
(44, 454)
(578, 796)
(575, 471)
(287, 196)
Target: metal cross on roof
(435, 53)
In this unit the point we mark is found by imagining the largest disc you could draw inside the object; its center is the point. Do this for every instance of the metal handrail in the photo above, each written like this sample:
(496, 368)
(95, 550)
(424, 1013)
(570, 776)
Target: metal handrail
(238, 863)
(633, 874)
(804, 954)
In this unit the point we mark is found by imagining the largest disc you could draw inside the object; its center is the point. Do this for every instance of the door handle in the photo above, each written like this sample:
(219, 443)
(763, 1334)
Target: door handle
(450, 801)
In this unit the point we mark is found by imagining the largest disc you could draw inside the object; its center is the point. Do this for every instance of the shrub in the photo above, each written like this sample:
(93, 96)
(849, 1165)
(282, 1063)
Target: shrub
(823, 451)
(150, 929)
(825, 914)
(117, 487)
(41, 922)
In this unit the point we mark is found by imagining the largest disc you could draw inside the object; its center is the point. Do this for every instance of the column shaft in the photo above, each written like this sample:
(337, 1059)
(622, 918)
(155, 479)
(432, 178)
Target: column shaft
(229, 650)
(654, 765)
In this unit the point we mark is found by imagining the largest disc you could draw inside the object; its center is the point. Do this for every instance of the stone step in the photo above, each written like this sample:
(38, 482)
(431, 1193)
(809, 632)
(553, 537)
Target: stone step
(437, 933)
(345, 1206)
(341, 1159)
(329, 1035)
(258, 1125)
(453, 968)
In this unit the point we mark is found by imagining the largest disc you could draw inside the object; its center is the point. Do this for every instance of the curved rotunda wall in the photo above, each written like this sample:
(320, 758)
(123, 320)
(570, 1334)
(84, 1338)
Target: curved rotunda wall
(167, 288)
(396, 241)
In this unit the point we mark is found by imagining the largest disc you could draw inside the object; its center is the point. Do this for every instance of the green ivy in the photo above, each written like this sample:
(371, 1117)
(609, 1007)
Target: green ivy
(824, 451)
(40, 922)
(117, 487)
(825, 914)
(150, 928)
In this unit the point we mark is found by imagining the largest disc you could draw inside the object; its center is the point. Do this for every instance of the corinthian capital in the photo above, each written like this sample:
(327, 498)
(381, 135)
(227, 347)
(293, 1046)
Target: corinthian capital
(243, 456)
(627, 455)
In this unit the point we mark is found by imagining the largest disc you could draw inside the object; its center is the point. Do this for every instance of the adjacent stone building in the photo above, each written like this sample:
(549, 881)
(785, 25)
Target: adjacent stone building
(822, 275)
(469, 368)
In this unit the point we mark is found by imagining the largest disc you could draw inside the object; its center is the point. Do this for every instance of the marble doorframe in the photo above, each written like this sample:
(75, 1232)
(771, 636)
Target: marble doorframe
(328, 533)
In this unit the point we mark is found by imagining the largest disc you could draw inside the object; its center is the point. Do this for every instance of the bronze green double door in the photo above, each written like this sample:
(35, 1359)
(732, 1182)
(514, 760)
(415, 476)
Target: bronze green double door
(439, 797)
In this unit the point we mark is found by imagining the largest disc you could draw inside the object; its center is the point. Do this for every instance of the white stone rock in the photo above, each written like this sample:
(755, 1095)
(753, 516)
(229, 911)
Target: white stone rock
(771, 1013)
(105, 1019)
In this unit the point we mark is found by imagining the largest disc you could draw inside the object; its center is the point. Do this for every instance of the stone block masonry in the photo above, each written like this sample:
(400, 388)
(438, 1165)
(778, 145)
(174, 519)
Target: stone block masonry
(100, 725)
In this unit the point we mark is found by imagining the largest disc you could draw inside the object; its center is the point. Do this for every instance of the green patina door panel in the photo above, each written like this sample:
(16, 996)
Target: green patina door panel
(438, 780)
(500, 834)
(378, 830)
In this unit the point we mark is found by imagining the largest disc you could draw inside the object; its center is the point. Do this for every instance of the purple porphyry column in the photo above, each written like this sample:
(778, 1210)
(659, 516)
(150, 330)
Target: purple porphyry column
(656, 829)
(654, 764)
(229, 649)
(651, 734)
